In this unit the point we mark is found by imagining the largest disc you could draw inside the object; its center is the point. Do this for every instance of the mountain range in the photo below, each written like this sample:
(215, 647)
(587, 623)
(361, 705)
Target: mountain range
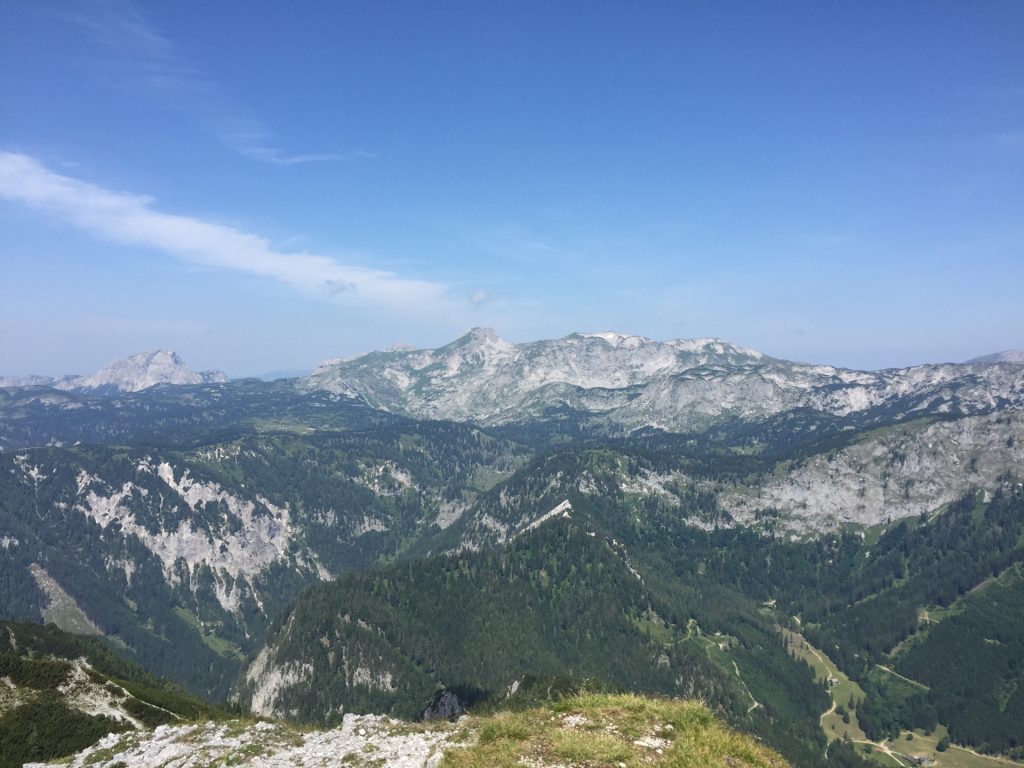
(628, 383)
(340, 542)
(620, 383)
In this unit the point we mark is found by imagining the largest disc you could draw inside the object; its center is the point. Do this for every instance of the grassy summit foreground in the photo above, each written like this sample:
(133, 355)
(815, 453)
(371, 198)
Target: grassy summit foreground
(603, 730)
(583, 731)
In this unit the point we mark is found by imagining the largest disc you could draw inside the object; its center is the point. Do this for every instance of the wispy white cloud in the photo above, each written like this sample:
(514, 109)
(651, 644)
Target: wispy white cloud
(136, 55)
(132, 219)
(276, 156)
(479, 297)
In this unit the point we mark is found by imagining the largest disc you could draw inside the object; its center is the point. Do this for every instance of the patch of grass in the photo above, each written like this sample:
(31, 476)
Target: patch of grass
(485, 478)
(590, 748)
(100, 756)
(655, 629)
(590, 730)
(507, 726)
(188, 617)
(222, 646)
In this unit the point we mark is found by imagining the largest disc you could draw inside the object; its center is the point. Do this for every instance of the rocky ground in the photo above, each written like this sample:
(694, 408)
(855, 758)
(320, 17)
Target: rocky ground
(361, 740)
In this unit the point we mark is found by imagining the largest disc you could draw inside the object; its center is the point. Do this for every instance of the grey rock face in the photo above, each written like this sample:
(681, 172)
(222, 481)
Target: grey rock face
(624, 383)
(888, 474)
(445, 706)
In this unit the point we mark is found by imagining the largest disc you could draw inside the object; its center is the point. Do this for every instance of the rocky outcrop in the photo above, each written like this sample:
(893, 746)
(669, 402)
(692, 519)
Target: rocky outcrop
(888, 474)
(367, 740)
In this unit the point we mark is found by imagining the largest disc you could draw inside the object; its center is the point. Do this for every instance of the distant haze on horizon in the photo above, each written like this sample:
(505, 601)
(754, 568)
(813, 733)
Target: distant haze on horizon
(259, 191)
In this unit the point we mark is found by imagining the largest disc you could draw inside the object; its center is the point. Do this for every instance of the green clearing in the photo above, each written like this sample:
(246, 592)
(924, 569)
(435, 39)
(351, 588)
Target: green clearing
(935, 614)
(656, 629)
(485, 478)
(842, 693)
(188, 617)
(62, 610)
(212, 641)
(223, 647)
(69, 617)
(923, 745)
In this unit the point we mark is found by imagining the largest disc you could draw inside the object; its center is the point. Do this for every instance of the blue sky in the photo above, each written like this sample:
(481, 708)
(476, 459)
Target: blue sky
(260, 186)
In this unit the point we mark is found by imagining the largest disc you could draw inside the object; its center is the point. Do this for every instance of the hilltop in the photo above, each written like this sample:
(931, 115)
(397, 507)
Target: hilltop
(583, 729)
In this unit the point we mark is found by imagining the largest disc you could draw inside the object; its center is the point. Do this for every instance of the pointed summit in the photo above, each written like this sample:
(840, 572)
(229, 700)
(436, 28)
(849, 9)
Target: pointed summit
(478, 347)
(479, 335)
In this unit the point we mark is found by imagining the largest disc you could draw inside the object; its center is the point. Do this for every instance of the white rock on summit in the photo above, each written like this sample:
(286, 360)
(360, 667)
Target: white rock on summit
(147, 369)
(130, 374)
(630, 382)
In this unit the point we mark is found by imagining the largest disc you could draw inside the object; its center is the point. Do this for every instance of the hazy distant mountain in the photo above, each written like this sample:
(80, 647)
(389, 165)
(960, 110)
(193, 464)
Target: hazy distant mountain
(623, 383)
(130, 374)
(29, 381)
(1008, 356)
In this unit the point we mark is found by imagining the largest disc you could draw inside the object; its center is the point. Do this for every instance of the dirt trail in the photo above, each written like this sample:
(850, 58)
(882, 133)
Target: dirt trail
(756, 703)
(901, 677)
(827, 712)
(883, 749)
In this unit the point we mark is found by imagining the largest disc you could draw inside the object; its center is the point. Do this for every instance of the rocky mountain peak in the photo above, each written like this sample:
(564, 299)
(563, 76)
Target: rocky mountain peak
(146, 369)
(481, 334)
(478, 347)
(482, 339)
(129, 374)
